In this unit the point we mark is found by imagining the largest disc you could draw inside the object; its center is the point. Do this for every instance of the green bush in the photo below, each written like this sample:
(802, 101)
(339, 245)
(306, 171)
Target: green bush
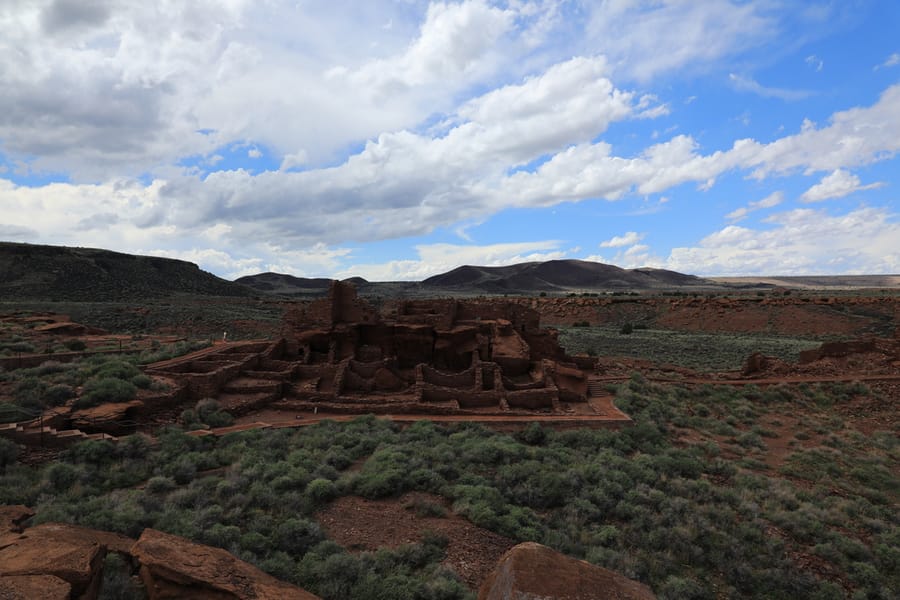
(210, 412)
(9, 452)
(117, 582)
(29, 393)
(142, 381)
(320, 490)
(58, 394)
(75, 345)
(105, 390)
(115, 369)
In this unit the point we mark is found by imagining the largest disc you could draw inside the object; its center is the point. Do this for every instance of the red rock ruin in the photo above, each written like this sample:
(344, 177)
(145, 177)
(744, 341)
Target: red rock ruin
(422, 356)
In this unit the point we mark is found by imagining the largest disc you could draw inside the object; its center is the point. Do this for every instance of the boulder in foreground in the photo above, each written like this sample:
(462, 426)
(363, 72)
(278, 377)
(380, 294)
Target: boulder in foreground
(531, 571)
(173, 567)
(34, 587)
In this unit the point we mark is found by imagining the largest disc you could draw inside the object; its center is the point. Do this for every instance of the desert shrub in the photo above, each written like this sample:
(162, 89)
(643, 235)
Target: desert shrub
(424, 508)
(105, 390)
(142, 381)
(320, 490)
(29, 393)
(183, 470)
(117, 582)
(296, 536)
(75, 345)
(209, 412)
(9, 452)
(57, 395)
(533, 434)
(136, 446)
(93, 452)
(115, 369)
(223, 536)
(60, 476)
(159, 485)
(682, 588)
(18, 347)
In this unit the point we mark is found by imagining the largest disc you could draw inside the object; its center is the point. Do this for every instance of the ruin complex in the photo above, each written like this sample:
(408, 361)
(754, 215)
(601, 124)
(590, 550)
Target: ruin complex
(440, 356)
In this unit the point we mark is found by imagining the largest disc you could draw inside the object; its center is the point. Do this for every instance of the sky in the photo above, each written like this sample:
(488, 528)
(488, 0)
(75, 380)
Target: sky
(398, 139)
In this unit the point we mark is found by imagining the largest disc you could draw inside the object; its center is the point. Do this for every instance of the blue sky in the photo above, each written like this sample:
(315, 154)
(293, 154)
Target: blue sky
(399, 139)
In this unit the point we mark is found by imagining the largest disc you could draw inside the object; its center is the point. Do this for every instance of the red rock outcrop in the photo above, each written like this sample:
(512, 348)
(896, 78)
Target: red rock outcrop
(73, 554)
(173, 567)
(56, 561)
(34, 587)
(530, 571)
(12, 517)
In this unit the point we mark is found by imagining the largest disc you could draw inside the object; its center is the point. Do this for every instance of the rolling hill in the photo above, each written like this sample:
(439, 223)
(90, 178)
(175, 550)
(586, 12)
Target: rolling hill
(560, 276)
(38, 272)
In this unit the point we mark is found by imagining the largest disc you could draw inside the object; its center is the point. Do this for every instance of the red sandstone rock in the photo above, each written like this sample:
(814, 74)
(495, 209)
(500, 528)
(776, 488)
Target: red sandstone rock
(12, 517)
(34, 587)
(531, 571)
(64, 551)
(173, 567)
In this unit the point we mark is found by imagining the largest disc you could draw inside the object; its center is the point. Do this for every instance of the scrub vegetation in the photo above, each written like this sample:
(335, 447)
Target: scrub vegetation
(708, 351)
(686, 500)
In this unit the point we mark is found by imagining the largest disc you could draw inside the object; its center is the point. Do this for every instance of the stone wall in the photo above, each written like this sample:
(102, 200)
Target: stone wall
(532, 399)
(463, 380)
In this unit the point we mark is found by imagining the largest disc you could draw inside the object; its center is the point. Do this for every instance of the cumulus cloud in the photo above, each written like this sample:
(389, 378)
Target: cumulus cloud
(405, 183)
(315, 261)
(456, 112)
(149, 83)
(630, 238)
(773, 199)
(634, 256)
(798, 242)
(837, 184)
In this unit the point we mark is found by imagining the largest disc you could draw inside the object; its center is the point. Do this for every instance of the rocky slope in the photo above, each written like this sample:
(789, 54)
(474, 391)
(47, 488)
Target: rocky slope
(30, 271)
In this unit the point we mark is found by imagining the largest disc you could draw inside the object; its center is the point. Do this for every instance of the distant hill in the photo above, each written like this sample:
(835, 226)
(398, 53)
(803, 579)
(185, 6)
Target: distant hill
(36, 272)
(285, 285)
(559, 276)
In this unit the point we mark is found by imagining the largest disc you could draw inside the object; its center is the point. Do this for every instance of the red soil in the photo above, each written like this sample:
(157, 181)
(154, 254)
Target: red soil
(359, 524)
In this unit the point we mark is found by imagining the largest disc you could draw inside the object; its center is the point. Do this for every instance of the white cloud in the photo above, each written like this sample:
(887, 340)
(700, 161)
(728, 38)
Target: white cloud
(630, 238)
(837, 184)
(648, 39)
(773, 199)
(404, 183)
(891, 61)
(254, 153)
(747, 84)
(149, 83)
(633, 257)
(294, 160)
(798, 242)
(815, 62)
